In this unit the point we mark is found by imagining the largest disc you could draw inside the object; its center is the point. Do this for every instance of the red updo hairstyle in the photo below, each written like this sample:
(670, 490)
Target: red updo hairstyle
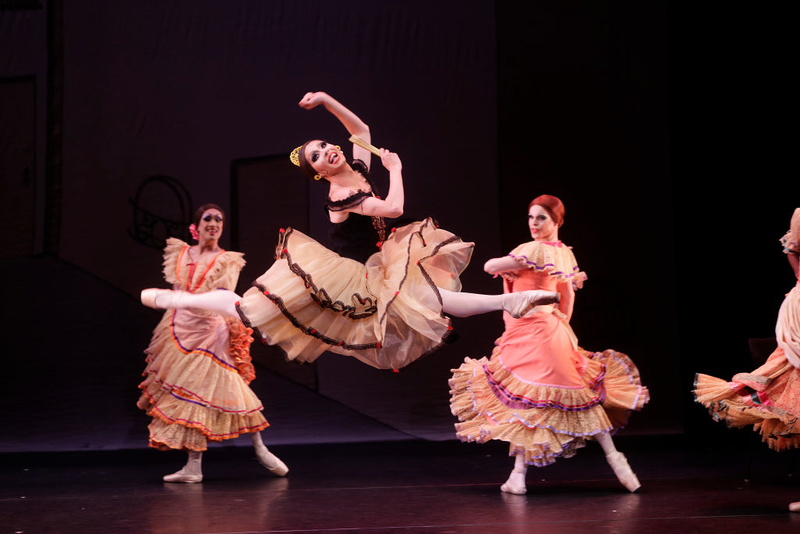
(551, 204)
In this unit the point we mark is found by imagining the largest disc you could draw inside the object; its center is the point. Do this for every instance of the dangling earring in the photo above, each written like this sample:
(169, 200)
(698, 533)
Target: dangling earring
(337, 147)
(317, 177)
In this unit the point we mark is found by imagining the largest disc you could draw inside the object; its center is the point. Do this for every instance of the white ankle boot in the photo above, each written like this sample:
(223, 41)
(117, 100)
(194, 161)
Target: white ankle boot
(626, 476)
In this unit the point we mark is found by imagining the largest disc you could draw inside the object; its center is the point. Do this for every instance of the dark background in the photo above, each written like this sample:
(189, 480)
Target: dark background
(658, 126)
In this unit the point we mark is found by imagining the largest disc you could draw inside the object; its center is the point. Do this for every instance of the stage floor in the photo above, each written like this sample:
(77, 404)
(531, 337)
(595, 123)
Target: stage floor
(401, 486)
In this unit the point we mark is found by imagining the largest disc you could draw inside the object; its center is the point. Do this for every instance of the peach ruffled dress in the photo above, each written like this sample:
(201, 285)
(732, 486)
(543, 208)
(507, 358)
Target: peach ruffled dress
(539, 391)
(769, 397)
(198, 363)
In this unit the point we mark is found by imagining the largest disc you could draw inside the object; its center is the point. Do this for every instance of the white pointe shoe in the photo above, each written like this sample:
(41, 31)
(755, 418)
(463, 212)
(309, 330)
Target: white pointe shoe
(794, 507)
(624, 473)
(162, 299)
(271, 462)
(186, 478)
(515, 483)
(149, 296)
(520, 303)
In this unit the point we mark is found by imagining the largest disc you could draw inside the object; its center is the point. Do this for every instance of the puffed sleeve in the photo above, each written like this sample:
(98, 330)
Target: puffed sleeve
(555, 259)
(225, 274)
(172, 254)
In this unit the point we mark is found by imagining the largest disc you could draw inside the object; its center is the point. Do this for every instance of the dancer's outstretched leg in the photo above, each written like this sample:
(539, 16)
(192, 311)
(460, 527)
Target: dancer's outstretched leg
(221, 302)
(517, 304)
(453, 303)
(618, 463)
(266, 458)
(191, 473)
(516, 480)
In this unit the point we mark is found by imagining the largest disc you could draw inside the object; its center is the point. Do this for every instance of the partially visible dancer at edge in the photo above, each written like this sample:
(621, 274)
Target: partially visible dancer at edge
(380, 296)
(539, 391)
(769, 397)
(198, 363)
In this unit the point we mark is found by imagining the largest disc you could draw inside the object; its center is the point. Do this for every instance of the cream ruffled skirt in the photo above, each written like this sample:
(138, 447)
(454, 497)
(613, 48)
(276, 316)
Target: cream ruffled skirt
(195, 386)
(387, 312)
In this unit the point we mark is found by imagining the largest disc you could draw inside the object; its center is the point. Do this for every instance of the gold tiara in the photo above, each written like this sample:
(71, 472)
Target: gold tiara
(294, 157)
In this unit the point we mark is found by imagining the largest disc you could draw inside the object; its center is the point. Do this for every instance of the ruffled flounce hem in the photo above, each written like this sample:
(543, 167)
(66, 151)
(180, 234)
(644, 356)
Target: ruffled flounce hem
(386, 313)
(194, 396)
(767, 398)
(624, 392)
(241, 337)
(175, 427)
(543, 422)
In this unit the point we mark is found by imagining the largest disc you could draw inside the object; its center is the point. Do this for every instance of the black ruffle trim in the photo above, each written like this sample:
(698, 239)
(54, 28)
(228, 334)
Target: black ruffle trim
(363, 306)
(353, 200)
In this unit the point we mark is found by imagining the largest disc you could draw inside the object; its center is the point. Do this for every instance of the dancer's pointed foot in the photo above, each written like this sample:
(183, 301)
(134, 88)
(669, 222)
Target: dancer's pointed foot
(184, 477)
(515, 483)
(271, 462)
(624, 473)
(794, 507)
(520, 303)
(162, 299)
(150, 296)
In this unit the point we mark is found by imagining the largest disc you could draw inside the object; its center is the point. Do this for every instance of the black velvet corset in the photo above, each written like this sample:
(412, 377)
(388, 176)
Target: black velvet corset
(356, 237)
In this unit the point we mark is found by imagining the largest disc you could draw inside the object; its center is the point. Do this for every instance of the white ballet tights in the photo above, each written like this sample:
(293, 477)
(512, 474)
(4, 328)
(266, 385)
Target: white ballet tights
(269, 460)
(467, 304)
(516, 480)
(459, 304)
(618, 463)
(606, 442)
(194, 465)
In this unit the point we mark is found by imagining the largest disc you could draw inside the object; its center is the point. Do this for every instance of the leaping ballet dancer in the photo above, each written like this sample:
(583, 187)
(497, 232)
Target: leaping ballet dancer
(382, 297)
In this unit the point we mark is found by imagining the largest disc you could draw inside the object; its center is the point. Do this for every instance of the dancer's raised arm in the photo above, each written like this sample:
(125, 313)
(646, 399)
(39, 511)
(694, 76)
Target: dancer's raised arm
(392, 205)
(351, 121)
(348, 181)
(505, 264)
